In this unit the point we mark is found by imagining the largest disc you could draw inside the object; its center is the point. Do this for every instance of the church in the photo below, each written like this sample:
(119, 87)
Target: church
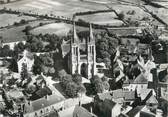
(81, 54)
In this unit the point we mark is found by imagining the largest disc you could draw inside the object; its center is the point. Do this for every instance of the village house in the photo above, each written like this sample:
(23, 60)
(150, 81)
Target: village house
(76, 111)
(140, 111)
(27, 59)
(43, 106)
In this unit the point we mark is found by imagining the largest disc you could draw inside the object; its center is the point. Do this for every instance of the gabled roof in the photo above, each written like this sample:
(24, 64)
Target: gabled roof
(140, 79)
(111, 104)
(144, 93)
(26, 54)
(43, 102)
(134, 111)
(152, 100)
(53, 114)
(147, 114)
(103, 96)
(43, 92)
(127, 95)
(82, 112)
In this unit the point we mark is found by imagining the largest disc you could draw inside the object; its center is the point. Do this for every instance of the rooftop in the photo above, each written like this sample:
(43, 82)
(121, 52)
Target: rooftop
(43, 102)
(134, 111)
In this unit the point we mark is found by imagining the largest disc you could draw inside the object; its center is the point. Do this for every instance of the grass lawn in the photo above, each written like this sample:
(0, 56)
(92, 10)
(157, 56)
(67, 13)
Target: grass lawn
(9, 19)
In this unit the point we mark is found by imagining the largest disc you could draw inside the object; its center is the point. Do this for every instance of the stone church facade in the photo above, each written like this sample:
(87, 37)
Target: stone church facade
(82, 57)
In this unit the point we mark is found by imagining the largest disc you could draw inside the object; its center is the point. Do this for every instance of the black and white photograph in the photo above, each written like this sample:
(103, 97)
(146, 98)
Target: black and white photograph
(83, 58)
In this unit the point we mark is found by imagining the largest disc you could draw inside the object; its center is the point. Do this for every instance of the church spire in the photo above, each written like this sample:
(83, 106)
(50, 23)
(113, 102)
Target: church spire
(91, 33)
(75, 37)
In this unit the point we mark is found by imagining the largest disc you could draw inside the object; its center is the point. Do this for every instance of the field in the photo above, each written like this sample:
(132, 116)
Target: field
(9, 19)
(60, 29)
(102, 18)
(54, 28)
(16, 33)
(66, 8)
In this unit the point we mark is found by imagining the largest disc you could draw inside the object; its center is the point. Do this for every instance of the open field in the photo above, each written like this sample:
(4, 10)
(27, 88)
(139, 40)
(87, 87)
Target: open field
(11, 18)
(54, 28)
(60, 29)
(102, 18)
(16, 33)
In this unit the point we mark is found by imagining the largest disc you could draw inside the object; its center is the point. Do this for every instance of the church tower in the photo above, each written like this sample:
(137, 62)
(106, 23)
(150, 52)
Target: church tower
(84, 64)
(91, 54)
(74, 54)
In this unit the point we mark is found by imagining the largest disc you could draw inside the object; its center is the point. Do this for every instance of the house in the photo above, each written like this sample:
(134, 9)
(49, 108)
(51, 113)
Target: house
(42, 92)
(16, 95)
(119, 96)
(27, 59)
(109, 108)
(12, 44)
(2, 103)
(43, 106)
(76, 111)
(140, 111)
(40, 81)
(139, 83)
(152, 103)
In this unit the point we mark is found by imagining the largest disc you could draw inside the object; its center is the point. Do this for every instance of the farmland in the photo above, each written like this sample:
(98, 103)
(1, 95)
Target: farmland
(11, 18)
(67, 8)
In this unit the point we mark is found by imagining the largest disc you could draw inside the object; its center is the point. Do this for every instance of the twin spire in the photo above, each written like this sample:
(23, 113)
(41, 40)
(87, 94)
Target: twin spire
(75, 36)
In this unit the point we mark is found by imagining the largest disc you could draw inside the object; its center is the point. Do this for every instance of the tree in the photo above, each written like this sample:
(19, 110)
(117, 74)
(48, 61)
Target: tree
(62, 73)
(97, 84)
(24, 73)
(106, 85)
(99, 87)
(81, 89)
(71, 89)
(31, 89)
(65, 80)
(77, 78)
(121, 16)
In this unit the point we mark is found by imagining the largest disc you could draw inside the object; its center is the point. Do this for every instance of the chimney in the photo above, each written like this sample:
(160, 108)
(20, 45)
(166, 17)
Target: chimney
(46, 97)
(29, 103)
(79, 102)
(91, 110)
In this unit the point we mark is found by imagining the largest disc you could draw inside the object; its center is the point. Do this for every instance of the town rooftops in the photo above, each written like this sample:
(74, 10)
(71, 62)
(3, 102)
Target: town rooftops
(42, 103)
(26, 54)
(82, 112)
(111, 104)
(147, 114)
(15, 94)
(43, 92)
(135, 111)
(116, 94)
(144, 93)
(152, 100)
(140, 79)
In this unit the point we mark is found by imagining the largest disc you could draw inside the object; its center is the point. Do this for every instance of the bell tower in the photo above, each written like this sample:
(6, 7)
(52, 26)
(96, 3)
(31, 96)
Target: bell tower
(91, 54)
(74, 54)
